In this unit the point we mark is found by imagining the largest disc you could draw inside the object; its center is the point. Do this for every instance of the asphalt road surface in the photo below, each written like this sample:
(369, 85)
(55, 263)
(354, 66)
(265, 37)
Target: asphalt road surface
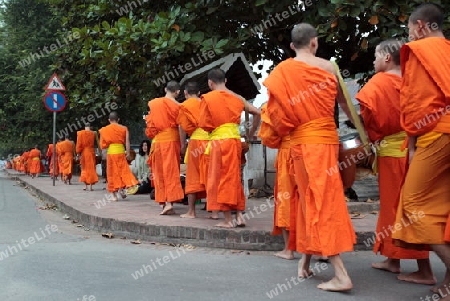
(44, 257)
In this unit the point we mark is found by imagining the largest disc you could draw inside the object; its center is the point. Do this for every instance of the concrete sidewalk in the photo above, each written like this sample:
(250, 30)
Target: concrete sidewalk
(137, 217)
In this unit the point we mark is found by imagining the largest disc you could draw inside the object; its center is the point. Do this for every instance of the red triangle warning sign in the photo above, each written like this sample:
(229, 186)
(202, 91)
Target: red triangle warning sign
(55, 83)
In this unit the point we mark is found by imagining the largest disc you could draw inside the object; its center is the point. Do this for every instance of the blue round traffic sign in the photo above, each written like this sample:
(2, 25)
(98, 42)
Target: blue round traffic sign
(55, 101)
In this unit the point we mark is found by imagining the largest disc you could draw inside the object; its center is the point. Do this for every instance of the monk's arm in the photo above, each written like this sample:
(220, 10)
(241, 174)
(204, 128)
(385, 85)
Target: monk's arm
(256, 119)
(411, 146)
(182, 139)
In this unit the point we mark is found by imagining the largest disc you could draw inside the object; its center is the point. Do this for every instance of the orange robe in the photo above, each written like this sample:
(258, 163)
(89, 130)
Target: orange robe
(118, 170)
(285, 188)
(35, 161)
(224, 188)
(380, 109)
(66, 149)
(320, 223)
(165, 157)
(425, 107)
(85, 147)
(28, 162)
(24, 162)
(196, 163)
(18, 163)
(58, 157)
(50, 155)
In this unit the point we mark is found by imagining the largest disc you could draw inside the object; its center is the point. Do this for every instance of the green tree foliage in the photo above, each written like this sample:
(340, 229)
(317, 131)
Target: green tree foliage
(27, 27)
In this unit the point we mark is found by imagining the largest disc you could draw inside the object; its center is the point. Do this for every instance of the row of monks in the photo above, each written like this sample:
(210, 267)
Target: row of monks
(28, 162)
(32, 162)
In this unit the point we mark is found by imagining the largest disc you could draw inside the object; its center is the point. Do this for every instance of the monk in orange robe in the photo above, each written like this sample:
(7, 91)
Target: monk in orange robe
(285, 187)
(59, 157)
(24, 164)
(86, 152)
(53, 169)
(165, 151)
(198, 139)
(116, 139)
(380, 109)
(220, 115)
(28, 162)
(35, 162)
(424, 207)
(67, 150)
(19, 163)
(302, 95)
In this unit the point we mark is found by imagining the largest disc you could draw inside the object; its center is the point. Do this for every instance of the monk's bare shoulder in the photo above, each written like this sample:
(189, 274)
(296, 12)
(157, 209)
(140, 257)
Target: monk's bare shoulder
(326, 65)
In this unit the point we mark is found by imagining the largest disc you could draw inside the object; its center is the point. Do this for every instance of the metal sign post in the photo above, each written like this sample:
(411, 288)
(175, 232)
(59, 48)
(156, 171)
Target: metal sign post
(54, 101)
(54, 147)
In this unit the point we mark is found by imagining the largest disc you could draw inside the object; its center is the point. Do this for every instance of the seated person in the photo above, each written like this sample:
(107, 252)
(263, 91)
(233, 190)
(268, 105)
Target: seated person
(143, 170)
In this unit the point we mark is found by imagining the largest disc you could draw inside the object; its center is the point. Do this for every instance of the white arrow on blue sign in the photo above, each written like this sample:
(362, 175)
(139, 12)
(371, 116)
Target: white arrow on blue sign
(55, 101)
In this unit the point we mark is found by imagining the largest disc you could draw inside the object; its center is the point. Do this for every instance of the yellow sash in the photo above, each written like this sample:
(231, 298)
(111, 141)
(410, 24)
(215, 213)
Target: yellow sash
(198, 134)
(427, 139)
(35, 158)
(225, 131)
(393, 145)
(115, 149)
(443, 127)
(392, 148)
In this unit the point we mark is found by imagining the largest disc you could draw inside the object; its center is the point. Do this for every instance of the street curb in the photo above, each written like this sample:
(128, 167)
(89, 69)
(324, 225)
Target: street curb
(239, 239)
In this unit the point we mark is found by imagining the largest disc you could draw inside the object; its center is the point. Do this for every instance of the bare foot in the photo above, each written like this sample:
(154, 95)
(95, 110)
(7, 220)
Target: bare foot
(337, 285)
(387, 265)
(168, 210)
(303, 267)
(418, 278)
(188, 215)
(305, 273)
(224, 225)
(285, 254)
(122, 193)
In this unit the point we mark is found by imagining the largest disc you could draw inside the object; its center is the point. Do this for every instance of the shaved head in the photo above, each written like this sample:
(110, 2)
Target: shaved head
(217, 76)
(192, 88)
(391, 47)
(302, 34)
(113, 116)
(429, 13)
(173, 86)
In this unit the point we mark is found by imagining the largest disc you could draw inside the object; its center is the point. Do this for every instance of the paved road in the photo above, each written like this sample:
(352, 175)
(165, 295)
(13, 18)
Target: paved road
(44, 257)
